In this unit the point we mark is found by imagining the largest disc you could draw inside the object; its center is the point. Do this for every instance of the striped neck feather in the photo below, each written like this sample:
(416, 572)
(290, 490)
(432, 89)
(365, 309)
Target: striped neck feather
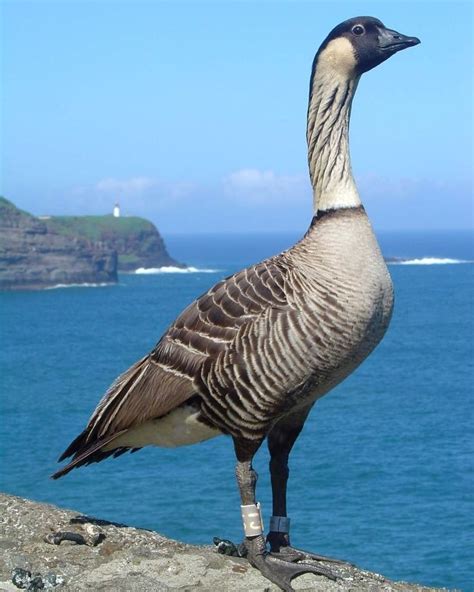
(331, 94)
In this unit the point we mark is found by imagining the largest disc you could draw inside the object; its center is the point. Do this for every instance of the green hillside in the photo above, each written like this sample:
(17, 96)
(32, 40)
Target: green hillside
(136, 240)
(99, 228)
(130, 241)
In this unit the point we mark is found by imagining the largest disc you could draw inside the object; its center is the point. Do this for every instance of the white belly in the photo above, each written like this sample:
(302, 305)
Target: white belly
(179, 428)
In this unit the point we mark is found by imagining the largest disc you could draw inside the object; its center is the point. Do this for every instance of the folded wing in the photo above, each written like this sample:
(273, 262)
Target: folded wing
(172, 372)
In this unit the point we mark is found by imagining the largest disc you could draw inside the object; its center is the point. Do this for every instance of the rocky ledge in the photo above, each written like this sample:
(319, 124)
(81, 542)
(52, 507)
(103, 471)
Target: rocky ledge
(45, 547)
(33, 256)
(48, 251)
(136, 241)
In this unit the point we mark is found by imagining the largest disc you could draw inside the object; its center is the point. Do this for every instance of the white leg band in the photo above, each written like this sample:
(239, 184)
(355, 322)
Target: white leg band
(252, 519)
(279, 524)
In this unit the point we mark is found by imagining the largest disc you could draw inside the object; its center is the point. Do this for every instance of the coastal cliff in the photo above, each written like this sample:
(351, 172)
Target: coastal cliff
(43, 252)
(119, 558)
(136, 241)
(34, 255)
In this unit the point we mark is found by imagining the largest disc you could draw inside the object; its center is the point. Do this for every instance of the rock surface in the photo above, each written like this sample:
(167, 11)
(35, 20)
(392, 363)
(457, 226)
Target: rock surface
(34, 255)
(136, 240)
(43, 252)
(118, 558)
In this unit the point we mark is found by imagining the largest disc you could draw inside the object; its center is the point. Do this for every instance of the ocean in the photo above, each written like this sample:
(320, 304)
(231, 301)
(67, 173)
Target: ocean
(382, 474)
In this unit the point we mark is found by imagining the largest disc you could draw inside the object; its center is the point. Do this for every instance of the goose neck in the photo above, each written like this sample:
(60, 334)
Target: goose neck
(327, 135)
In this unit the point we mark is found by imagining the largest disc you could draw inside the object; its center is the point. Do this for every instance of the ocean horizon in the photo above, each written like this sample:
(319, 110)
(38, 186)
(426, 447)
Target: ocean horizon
(244, 248)
(382, 474)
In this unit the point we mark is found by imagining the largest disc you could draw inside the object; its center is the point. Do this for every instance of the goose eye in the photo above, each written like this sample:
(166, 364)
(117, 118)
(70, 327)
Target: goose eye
(358, 30)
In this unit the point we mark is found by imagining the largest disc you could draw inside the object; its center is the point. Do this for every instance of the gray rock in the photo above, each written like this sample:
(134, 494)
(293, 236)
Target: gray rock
(134, 560)
(34, 255)
(43, 252)
(136, 241)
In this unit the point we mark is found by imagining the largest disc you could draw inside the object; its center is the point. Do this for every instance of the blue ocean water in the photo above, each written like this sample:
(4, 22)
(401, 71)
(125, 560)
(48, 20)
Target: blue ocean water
(382, 474)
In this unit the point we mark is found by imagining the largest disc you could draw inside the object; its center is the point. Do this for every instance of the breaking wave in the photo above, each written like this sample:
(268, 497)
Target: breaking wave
(173, 269)
(429, 261)
(84, 285)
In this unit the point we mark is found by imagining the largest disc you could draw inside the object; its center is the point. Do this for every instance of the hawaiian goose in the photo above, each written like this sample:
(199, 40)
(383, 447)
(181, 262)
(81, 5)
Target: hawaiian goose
(251, 356)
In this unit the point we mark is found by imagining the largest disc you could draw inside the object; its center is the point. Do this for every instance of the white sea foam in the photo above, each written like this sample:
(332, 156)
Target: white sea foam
(429, 261)
(84, 285)
(173, 269)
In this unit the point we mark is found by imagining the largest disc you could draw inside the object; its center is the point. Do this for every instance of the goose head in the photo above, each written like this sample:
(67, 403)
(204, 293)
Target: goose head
(359, 44)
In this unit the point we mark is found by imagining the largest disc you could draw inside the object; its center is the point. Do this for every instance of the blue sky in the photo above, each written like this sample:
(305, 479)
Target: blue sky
(193, 114)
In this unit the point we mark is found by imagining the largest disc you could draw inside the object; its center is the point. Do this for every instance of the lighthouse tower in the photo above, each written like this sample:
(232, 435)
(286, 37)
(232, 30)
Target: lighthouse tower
(116, 211)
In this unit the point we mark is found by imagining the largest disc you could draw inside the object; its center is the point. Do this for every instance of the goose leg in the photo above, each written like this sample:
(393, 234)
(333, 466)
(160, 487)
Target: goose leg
(280, 443)
(278, 571)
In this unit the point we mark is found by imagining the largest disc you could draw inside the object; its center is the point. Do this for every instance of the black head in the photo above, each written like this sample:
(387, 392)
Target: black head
(372, 43)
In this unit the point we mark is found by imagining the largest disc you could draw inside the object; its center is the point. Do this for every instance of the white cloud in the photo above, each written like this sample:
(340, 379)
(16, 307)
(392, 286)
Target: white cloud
(251, 185)
(138, 187)
(372, 185)
(416, 202)
(137, 195)
(265, 185)
(126, 186)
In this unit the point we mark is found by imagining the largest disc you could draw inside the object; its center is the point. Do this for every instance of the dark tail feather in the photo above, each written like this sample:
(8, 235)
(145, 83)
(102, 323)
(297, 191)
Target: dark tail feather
(87, 454)
(75, 446)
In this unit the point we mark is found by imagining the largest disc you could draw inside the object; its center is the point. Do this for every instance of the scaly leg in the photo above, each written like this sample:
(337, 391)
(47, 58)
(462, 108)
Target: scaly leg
(280, 443)
(277, 571)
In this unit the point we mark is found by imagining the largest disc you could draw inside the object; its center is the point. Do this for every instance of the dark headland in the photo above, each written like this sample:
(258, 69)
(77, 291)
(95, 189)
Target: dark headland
(41, 252)
(119, 558)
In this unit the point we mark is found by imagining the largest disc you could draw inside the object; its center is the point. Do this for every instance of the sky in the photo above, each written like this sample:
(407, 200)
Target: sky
(193, 114)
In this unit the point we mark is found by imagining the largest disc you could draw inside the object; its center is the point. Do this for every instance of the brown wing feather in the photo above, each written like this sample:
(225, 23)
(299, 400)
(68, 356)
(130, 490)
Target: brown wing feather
(170, 374)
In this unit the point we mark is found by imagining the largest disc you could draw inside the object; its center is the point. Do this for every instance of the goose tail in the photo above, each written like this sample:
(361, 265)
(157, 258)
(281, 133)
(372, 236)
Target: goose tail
(87, 454)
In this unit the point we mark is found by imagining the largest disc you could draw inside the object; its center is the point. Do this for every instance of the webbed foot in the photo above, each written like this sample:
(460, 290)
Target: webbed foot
(279, 570)
(280, 548)
(293, 555)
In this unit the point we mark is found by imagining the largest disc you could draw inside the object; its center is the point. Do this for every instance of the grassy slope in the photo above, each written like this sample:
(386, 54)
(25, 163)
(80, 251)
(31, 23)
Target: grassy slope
(134, 238)
(93, 228)
(96, 228)
(7, 206)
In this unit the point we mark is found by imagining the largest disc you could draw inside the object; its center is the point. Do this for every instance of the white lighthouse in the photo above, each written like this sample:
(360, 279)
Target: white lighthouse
(116, 211)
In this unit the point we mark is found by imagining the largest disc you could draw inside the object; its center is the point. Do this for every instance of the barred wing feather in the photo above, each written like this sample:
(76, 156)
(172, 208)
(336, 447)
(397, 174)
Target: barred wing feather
(173, 371)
